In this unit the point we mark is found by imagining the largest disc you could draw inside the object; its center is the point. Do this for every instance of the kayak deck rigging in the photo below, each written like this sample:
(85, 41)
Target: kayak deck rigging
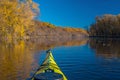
(49, 67)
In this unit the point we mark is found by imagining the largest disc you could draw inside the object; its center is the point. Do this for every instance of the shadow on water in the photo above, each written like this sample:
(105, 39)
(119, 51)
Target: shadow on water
(17, 58)
(107, 48)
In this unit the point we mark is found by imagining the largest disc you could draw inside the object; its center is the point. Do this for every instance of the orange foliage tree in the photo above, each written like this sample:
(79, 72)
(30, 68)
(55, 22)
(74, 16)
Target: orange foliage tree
(16, 17)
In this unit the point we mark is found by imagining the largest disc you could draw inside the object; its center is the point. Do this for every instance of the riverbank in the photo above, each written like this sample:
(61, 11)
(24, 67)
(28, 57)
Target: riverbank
(49, 31)
(46, 30)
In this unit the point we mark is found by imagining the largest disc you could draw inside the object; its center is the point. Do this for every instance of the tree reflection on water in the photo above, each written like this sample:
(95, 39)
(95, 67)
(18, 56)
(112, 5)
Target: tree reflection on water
(17, 58)
(107, 48)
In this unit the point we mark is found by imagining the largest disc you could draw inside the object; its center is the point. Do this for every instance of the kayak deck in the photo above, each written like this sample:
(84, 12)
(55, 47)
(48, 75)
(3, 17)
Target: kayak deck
(49, 65)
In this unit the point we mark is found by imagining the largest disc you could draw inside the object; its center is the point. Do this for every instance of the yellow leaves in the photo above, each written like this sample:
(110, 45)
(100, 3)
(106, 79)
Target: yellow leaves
(35, 6)
(76, 30)
(72, 29)
(16, 17)
(47, 24)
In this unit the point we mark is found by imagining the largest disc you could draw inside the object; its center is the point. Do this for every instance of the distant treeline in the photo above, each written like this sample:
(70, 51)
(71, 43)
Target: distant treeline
(48, 29)
(106, 26)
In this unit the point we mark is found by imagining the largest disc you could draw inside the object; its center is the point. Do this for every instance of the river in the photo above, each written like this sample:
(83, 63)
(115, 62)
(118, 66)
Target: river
(89, 59)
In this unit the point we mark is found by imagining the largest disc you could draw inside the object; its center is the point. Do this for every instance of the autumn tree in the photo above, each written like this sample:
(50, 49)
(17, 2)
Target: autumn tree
(16, 17)
(106, 26)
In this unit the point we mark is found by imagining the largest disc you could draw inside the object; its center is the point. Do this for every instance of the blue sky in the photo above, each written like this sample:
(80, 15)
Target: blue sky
(75, 13)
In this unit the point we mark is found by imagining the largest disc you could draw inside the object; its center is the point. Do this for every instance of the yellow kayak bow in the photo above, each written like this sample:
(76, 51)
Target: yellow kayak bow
(49, 67)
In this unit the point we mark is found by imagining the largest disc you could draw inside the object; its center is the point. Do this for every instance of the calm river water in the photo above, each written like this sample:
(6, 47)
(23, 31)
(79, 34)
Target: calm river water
(94, 59)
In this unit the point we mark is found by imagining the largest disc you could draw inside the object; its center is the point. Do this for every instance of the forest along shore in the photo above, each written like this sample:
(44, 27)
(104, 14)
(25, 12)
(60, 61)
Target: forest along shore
(49, 31)
(105, 26)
